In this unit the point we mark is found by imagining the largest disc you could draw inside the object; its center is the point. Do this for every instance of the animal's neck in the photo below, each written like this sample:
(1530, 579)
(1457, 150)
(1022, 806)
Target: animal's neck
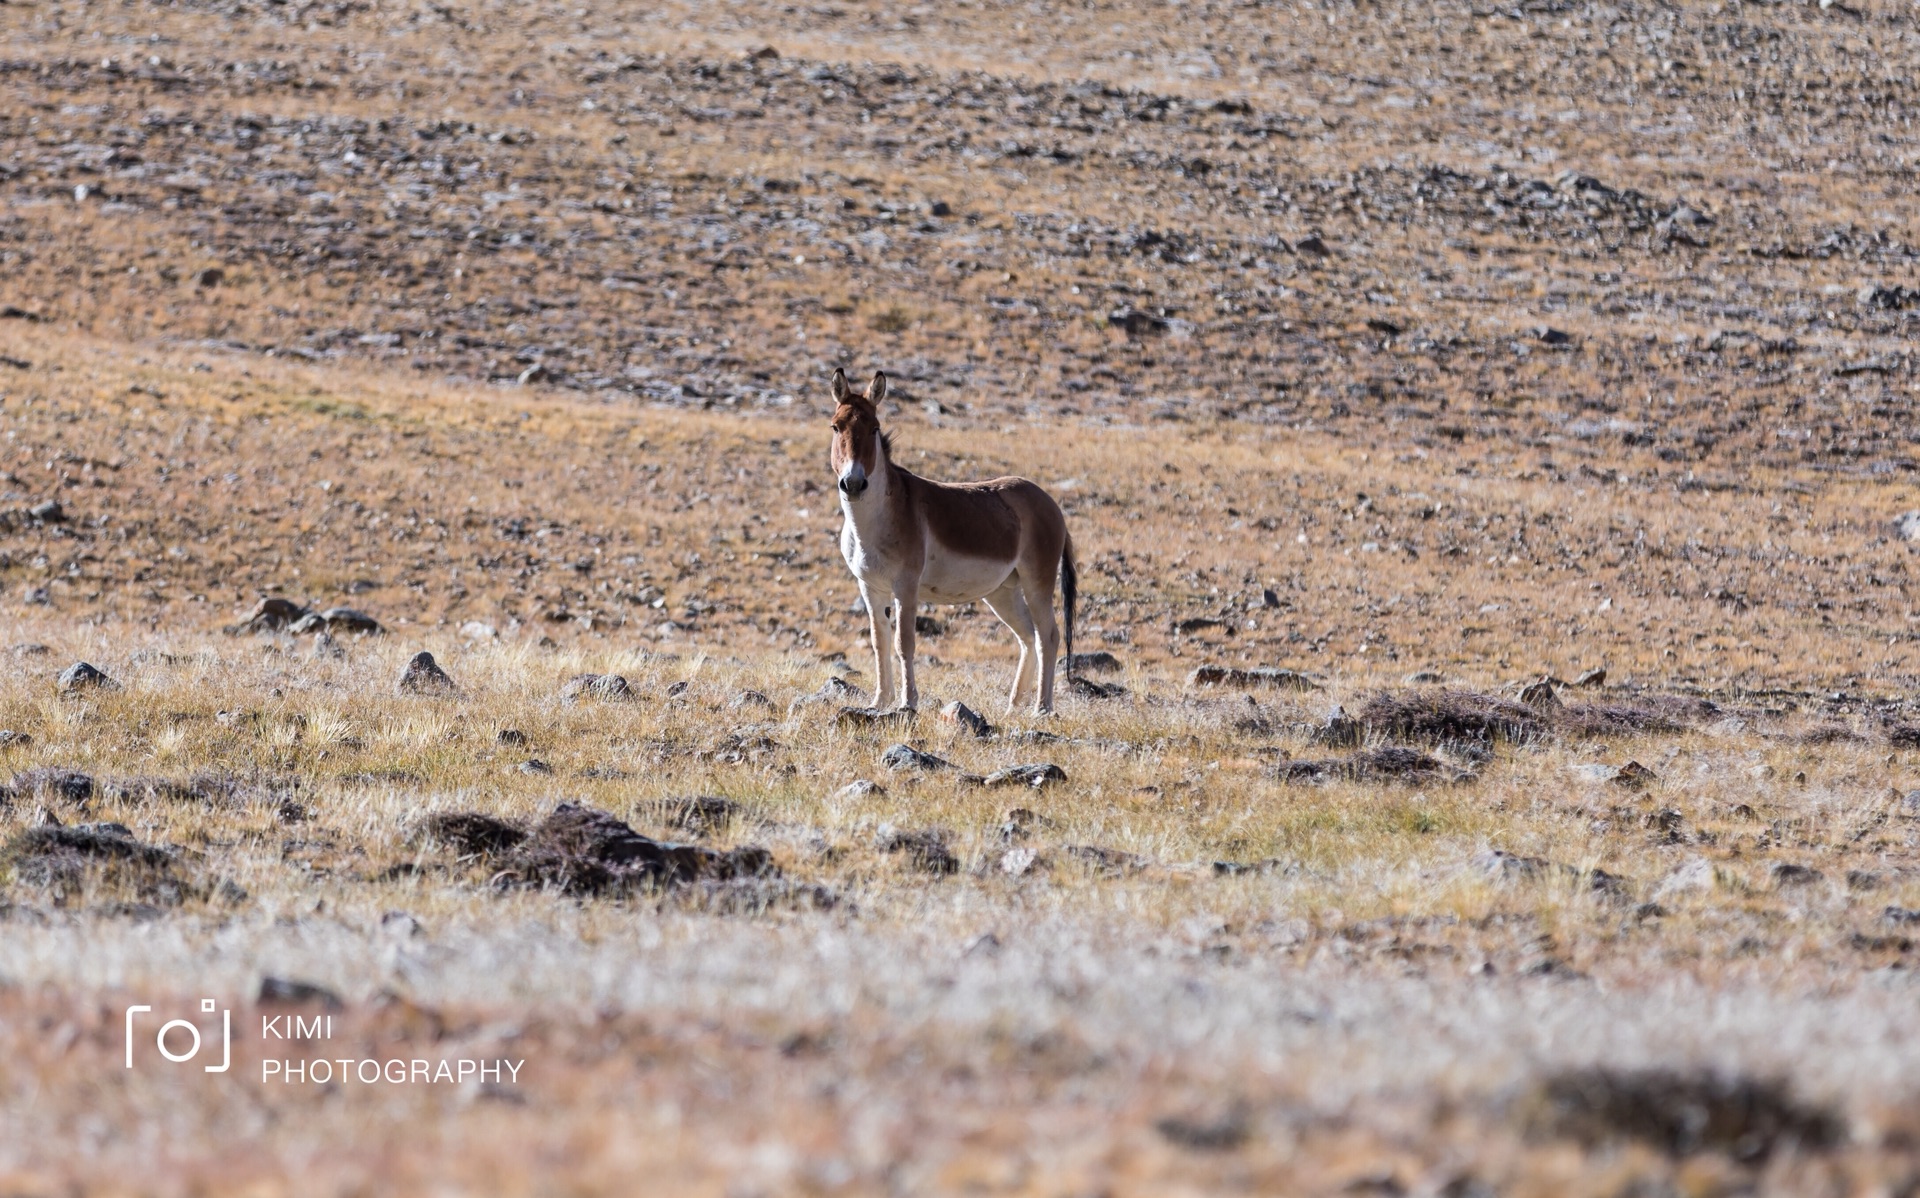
(872, 512)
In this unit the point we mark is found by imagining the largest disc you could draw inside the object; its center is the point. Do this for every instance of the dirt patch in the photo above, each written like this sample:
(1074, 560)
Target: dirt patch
(92, 858)
(580, 851)
(1455, 716)
(471, 834)
(1442, 716)
(1679, 1113)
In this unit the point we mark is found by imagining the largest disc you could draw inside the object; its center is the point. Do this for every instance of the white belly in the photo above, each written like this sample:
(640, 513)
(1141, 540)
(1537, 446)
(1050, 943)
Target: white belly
(951, 578)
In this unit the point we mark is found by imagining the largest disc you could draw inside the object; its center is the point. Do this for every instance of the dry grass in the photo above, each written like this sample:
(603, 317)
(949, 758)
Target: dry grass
(1400, 921)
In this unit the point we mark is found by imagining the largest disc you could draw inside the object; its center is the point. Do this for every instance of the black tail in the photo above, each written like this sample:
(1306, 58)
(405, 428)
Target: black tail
(1069, 594)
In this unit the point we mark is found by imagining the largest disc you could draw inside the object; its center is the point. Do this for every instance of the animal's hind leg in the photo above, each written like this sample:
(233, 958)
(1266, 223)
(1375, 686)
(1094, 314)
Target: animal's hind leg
(1008, 604)
(1046, 638)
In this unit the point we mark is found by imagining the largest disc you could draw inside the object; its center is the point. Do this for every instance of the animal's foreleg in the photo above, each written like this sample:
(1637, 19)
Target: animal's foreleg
(880, 630)
(906, 595)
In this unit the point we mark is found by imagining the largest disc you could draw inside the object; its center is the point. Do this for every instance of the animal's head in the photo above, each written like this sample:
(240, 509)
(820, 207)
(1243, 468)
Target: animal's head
(857, 439)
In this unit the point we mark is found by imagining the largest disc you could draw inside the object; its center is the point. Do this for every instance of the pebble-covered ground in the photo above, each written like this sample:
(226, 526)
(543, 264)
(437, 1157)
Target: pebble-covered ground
(1490, 764)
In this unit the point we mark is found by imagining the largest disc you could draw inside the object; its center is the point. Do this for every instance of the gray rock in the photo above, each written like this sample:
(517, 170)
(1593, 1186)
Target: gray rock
(338, 620)
(872, 717)
(1099, 662)
(858, 789)
(1787, 873)
(1234, 676)
(1036, 775)
(610, 687)
(906, 757)
(271, 614)
(292, 992)
(424, 676)
(83, 676)
(959, 713)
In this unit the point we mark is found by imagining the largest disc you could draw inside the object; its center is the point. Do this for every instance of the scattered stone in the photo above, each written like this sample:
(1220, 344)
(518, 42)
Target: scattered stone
(34, 596)
(834, 690)
(1541, 697)
(1229, 869)
(1391, 762)
(1035, 775)
(1788, 873)
(679, 688)
(1099, 662)
(294, 993)
(424, 676)
(1199, 624)
(926, 849)
(1592, 678)
(1425, 678)
(1498, 865)
(9, 739)
(337, 620)
(1339, 731)
(1105, 860)
(30, 649)
(1900, 915)
(1888, 299)
(83, 676)
(1226, 1132)
(746, 699)
(48, 512)
(271, 614)
(959, 713)
(1678, 1113)
(1087, 688)
(1694, 876)
(211, 276)
(1635, 776)
(535, 766)
(612, 688)
(1863, 880)
(873, 717)
(859, 789)
(479, 630)
(906, 757)
(326, 648)
(1020, 861)
(471, 834)
(1135, 323)
(511, 737)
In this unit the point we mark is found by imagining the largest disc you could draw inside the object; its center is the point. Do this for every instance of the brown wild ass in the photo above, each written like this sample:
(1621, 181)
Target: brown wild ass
(910, 540)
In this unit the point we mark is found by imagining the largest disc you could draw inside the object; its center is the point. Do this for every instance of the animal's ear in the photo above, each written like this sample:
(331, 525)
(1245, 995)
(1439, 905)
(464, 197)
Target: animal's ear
(877, 389)
(840, 388)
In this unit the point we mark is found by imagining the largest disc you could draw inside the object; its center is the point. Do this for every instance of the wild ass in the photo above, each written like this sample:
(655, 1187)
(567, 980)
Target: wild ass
(910, 540)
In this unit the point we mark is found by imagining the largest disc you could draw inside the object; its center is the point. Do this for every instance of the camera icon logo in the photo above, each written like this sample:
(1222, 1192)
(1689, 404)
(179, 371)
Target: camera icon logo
(192, 1037)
